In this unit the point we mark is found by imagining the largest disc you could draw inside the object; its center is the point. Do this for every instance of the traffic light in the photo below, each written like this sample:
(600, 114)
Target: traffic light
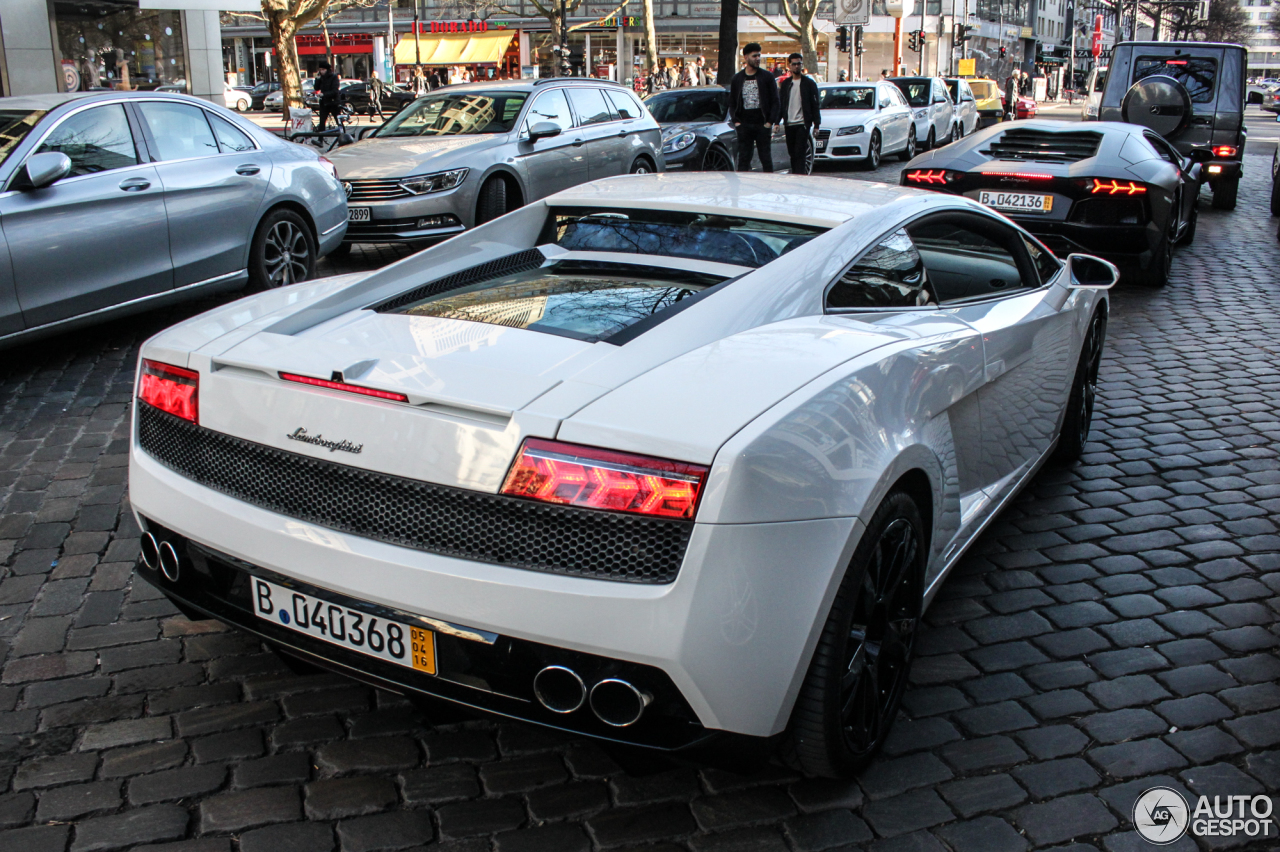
(842, 39)
(962, 34)
(1003, 51)
(913, 41)
(858, 47)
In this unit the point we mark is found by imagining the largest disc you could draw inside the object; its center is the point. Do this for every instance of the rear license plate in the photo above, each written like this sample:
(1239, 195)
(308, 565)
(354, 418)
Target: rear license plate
(402, 644)
(358, 214)
(1017, 202)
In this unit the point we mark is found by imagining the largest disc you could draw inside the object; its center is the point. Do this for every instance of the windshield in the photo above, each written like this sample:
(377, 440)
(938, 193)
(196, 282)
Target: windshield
(1195, 73)
(917, 91)
(688, 107)
(723, 239)
(847, 97)
(583, 300)
(457, 114)
(15, 124)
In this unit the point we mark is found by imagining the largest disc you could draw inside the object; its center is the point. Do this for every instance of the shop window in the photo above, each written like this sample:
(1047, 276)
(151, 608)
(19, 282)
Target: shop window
(115, 45)
(96, 140)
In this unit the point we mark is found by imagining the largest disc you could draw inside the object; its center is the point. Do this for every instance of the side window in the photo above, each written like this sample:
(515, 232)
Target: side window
(902, 99)
(1165, 152)
(968, 257)
(230, 137)
(890, 275)
(96, 140)
(590, 106)
(1042, 259)
(966, 93)
(551, 106)
(180, 130)
(624, 104)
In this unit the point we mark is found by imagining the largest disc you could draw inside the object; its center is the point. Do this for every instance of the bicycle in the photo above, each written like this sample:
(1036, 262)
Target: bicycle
(337, 137)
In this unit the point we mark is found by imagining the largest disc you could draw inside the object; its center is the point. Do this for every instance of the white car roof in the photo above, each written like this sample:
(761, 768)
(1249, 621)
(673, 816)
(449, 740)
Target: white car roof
(820, 201)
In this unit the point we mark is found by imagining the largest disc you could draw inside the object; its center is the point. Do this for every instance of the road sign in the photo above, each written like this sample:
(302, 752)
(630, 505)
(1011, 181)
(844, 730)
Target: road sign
(968, 67)
(855, 13)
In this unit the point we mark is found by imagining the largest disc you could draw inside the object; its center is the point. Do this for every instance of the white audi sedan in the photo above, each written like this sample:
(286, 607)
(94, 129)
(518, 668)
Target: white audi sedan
(674, 460)
(863, 121)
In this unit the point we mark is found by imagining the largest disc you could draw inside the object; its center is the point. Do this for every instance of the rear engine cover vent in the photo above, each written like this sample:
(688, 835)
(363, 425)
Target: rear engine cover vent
(1023, 144)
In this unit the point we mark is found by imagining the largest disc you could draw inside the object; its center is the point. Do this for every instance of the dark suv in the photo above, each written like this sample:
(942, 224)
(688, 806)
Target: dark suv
(1191, 93)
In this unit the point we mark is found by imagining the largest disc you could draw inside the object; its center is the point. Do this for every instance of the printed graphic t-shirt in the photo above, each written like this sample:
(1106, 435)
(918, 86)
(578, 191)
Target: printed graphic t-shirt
(751, 112)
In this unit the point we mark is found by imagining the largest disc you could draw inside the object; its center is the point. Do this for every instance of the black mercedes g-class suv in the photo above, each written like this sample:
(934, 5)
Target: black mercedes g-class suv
(1191, 93)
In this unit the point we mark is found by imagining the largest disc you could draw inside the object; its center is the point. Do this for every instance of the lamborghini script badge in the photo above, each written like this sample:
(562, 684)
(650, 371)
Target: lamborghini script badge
(300, 434)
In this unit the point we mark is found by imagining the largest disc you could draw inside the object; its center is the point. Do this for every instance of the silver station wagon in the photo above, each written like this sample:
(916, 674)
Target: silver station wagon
(463, 155)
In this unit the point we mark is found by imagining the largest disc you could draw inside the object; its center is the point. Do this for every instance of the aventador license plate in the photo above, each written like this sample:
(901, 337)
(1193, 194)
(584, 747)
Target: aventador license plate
(358, 214)
(1017, 202)
(402, 644)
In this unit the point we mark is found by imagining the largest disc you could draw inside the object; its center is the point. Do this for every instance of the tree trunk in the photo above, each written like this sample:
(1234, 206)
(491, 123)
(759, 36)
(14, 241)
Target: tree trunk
(727, 55)
(809, 48)
(283, 29)
(650, 35)
(328, 45)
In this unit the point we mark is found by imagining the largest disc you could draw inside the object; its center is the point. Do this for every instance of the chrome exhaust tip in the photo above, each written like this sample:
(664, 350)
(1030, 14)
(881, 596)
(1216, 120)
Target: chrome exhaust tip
(169, 563)
(618, 703)
(558, 689)
(150, 551)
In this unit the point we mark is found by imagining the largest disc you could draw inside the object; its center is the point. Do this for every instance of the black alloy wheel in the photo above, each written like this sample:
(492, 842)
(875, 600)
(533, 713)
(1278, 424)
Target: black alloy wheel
(873, 151)
(909, 152)
(853, 689)
(1189, 232)
(1156, 273)
(642, 167)
(716, 160)
(1275, 183)
(1084, 394)
(283, 251)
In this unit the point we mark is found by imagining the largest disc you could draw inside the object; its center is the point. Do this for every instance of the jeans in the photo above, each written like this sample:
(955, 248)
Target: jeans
(754, 136)
(798, 142)
(328, 109)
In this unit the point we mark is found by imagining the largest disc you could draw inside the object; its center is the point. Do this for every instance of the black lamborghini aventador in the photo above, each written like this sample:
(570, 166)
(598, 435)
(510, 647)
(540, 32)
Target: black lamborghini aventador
(1114, 190)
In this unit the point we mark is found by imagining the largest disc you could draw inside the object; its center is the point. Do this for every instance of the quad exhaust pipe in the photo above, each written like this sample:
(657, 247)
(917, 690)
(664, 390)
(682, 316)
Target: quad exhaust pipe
(161, 556)
(615, 702)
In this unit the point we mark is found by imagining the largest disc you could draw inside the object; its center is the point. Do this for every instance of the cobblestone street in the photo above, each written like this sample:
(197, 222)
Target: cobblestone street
(1114, 630)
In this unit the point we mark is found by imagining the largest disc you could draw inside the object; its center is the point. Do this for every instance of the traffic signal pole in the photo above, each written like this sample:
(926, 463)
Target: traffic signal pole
(897, 46)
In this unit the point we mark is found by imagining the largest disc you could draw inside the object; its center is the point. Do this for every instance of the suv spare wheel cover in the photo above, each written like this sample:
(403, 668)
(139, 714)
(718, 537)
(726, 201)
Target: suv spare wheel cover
(1159, 103)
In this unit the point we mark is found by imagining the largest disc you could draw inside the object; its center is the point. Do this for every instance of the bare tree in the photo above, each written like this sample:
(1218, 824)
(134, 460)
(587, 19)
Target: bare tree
(1227, 22)
(800, 14)
(550, 9)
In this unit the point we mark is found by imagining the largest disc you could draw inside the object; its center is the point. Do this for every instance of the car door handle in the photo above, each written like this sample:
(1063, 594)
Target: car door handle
(135, 184)
(578, 143)
(247, 170)
(622, 133)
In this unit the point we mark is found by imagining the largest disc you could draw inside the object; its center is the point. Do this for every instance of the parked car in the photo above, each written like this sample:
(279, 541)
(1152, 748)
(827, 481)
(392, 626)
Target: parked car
(966, 105)
(671, 461)
(309, 97)
(357, 95)
(236, 99)
(274, 102)
(260, 93)
(463, 155)
(864, 121)
(1271, 100)
(120, 201)
(696, 133)
(989, 103)
(1191, 93)
(1093, 86)
(1119, 191)
(1256, 93)
(931, 105)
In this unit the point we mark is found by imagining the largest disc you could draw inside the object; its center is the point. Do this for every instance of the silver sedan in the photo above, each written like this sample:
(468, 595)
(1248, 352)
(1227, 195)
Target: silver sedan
(120, 201)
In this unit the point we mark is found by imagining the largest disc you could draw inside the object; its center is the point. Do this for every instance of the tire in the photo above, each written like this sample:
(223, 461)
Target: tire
(283, 251)
(1157, 272)
(873, 151)
(242, 105)
(1189, 235)
(1084, 393)
(909, 152)
(716, 159)
(493, 200)
(958, 134)
(1275, 183)
(931, 141)
(841, 719)
(642, 166)
(1225, 192)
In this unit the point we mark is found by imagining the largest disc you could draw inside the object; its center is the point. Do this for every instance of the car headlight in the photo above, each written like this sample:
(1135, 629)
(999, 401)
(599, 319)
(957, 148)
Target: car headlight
(850, 131)
(921, 113)
(678, 143)
(438, 182)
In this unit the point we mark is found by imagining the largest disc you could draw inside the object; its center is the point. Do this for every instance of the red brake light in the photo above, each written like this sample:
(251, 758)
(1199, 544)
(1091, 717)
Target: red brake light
(1224, 151)
(171, 389)
(927, 176)
(343, 386)
(1029, 175)
(602, 479)
(1116, 187)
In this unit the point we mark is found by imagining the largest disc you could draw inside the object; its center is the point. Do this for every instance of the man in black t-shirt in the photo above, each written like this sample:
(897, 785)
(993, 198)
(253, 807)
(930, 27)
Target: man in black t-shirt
(753, 110)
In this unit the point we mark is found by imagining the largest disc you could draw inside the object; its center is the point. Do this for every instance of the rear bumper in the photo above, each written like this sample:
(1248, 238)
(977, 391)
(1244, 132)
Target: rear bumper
(1226, 169)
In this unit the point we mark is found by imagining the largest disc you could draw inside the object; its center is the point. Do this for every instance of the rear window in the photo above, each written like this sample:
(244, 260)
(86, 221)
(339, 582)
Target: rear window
(688, 107)
(847, 97)
(1197, 74)
(583, 300)
(917, 91)
(723, 239)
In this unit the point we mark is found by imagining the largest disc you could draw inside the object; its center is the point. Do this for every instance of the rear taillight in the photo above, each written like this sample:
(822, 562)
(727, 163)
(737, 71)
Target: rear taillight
(1224, 151)
(171, 389)
(1098, 186)
(343, 386)
(602, 479)
(931, 177)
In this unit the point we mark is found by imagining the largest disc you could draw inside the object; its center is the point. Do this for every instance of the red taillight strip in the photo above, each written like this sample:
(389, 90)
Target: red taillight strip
(1116, 187)
(161, 367)
(928, 176)
(343, 386)
(174, 390)
(1031, 175)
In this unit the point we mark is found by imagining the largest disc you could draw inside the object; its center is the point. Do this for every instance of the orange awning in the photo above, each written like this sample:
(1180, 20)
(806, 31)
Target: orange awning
(454, 48)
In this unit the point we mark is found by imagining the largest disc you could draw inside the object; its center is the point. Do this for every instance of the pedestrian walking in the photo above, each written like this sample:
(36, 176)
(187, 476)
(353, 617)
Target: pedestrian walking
(700, 72)
(326, 88)
(1011, 90)
(753, 110)
(798, 96)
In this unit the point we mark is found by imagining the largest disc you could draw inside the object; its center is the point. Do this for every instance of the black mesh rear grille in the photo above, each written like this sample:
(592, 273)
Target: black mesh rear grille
(449, 521)
(1022, 144)
(518, 262)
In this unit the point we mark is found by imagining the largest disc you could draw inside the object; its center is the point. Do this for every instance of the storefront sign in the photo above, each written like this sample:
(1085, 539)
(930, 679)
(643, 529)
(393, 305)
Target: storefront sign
(629, 21)
(453, 27)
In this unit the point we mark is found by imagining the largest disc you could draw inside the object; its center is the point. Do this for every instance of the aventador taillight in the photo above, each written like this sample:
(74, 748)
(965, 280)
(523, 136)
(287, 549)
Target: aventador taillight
(602, 479)
(931, 177)
(1098, 186)
(171, 389)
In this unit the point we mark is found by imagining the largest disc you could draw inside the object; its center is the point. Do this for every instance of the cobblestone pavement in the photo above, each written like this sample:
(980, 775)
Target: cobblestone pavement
(1114, 630)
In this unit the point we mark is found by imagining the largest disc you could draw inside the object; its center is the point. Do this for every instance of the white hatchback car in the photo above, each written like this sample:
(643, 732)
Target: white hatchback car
(660, 459)
(862, 122)
(931, 105)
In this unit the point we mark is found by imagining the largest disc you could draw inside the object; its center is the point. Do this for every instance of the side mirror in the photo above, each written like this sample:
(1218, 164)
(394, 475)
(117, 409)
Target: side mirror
(44, 169)
(543, 130)
(884, 103)
(1091, 273)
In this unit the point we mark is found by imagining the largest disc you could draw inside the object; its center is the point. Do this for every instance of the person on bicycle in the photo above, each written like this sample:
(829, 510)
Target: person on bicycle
(326, 87)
